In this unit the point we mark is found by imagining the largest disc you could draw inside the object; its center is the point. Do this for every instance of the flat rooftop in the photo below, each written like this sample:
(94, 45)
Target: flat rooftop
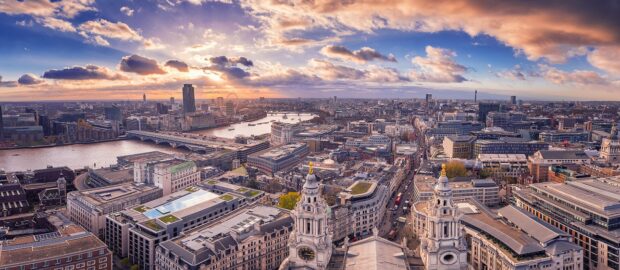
(599, 195)
(98, 196)
(115, 175)
(28, 249)
(280, 152)
(240, 222)
(426, 183)
(502, 158)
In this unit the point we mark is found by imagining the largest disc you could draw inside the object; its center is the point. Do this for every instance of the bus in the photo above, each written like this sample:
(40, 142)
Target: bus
(398, 197)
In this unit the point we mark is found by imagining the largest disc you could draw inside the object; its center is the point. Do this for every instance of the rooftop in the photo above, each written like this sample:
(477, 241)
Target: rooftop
(32, 248)
(280, 152)
(103, 195)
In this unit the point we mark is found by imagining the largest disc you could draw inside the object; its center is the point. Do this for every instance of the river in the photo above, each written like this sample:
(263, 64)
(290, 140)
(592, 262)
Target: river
(262, 126)
(104, 154)
(75, 156)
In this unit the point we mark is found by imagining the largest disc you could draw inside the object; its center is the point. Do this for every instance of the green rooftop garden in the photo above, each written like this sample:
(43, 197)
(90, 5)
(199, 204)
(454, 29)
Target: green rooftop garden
(253, 193)
(168, 218)
(192, 189)
(242, 190)
(227, 197)
(152, 224)
(141, 208)
(360, 188)
(212, 182)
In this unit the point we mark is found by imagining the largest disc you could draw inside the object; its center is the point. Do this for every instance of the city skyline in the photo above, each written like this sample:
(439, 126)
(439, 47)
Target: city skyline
(86, 49)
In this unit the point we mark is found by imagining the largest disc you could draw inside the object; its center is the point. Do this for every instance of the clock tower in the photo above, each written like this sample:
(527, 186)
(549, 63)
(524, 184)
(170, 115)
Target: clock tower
(443, 246)
(310, 243)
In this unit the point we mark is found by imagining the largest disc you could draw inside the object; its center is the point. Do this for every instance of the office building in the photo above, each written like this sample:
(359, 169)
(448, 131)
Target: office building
(88, 208)
(283, 133)
(359, 209)
(112, 113)
(69, 246)
(449, 128)
(253, 238)
(485, 108)
(189, 101)
(171, 175)
(138, 230)
(503, 166)
(485, 191)
(278, 158)
(508, 146)
(586, 209)
(540, 162)
(556, 136)
(161, 108)
(513, 239)
(144, 97)
(458, 146)
(513, 100)
(230, 109)
(1, 125)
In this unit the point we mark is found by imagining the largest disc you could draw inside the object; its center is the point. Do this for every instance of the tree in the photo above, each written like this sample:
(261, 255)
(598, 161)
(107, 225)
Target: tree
(455, 168)
(134, 267)
(125, 261)
(289, 200)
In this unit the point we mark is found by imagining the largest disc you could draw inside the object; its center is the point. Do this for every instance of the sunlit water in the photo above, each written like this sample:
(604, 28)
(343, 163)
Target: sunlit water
(104, 154)
(262, 126)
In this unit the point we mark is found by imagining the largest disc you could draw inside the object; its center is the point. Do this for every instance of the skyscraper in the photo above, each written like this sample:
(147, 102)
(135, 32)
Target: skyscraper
(485, 108)
(112, 113)
(189, 102)
(513, 100)
(171, 100)
(1, 124)
(230, 108)
(144, 97)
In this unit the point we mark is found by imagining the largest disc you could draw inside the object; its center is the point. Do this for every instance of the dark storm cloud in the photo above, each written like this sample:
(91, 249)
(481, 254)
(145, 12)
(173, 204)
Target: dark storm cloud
(140, 65)
(179, 65)
(89, 72)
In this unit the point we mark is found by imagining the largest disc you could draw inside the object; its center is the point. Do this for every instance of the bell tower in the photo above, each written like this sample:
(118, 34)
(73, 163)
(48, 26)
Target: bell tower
(443, 247)
(310, 243)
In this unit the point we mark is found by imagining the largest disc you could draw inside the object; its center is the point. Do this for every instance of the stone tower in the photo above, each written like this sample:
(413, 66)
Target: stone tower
(310, 243)
(443, 247)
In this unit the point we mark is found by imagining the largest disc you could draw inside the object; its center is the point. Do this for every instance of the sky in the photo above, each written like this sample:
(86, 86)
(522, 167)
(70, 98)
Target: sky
(119, 50)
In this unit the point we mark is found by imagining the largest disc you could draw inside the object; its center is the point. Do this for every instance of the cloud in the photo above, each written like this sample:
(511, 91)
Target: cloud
(56, 24)
(579, 77)
(127, 11)
(104, 28)
(362, 55)
(29, 79)
(46, 8)
(553, 30)
(89, 72)
(153, 44)
(140, 65)
(24, 23)
(100, 41)
(178, 65)
(7, 83)
(607, 59)
(232, 61)
(438, 66)
(229, 66)
(330, 71)
(516, 73)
